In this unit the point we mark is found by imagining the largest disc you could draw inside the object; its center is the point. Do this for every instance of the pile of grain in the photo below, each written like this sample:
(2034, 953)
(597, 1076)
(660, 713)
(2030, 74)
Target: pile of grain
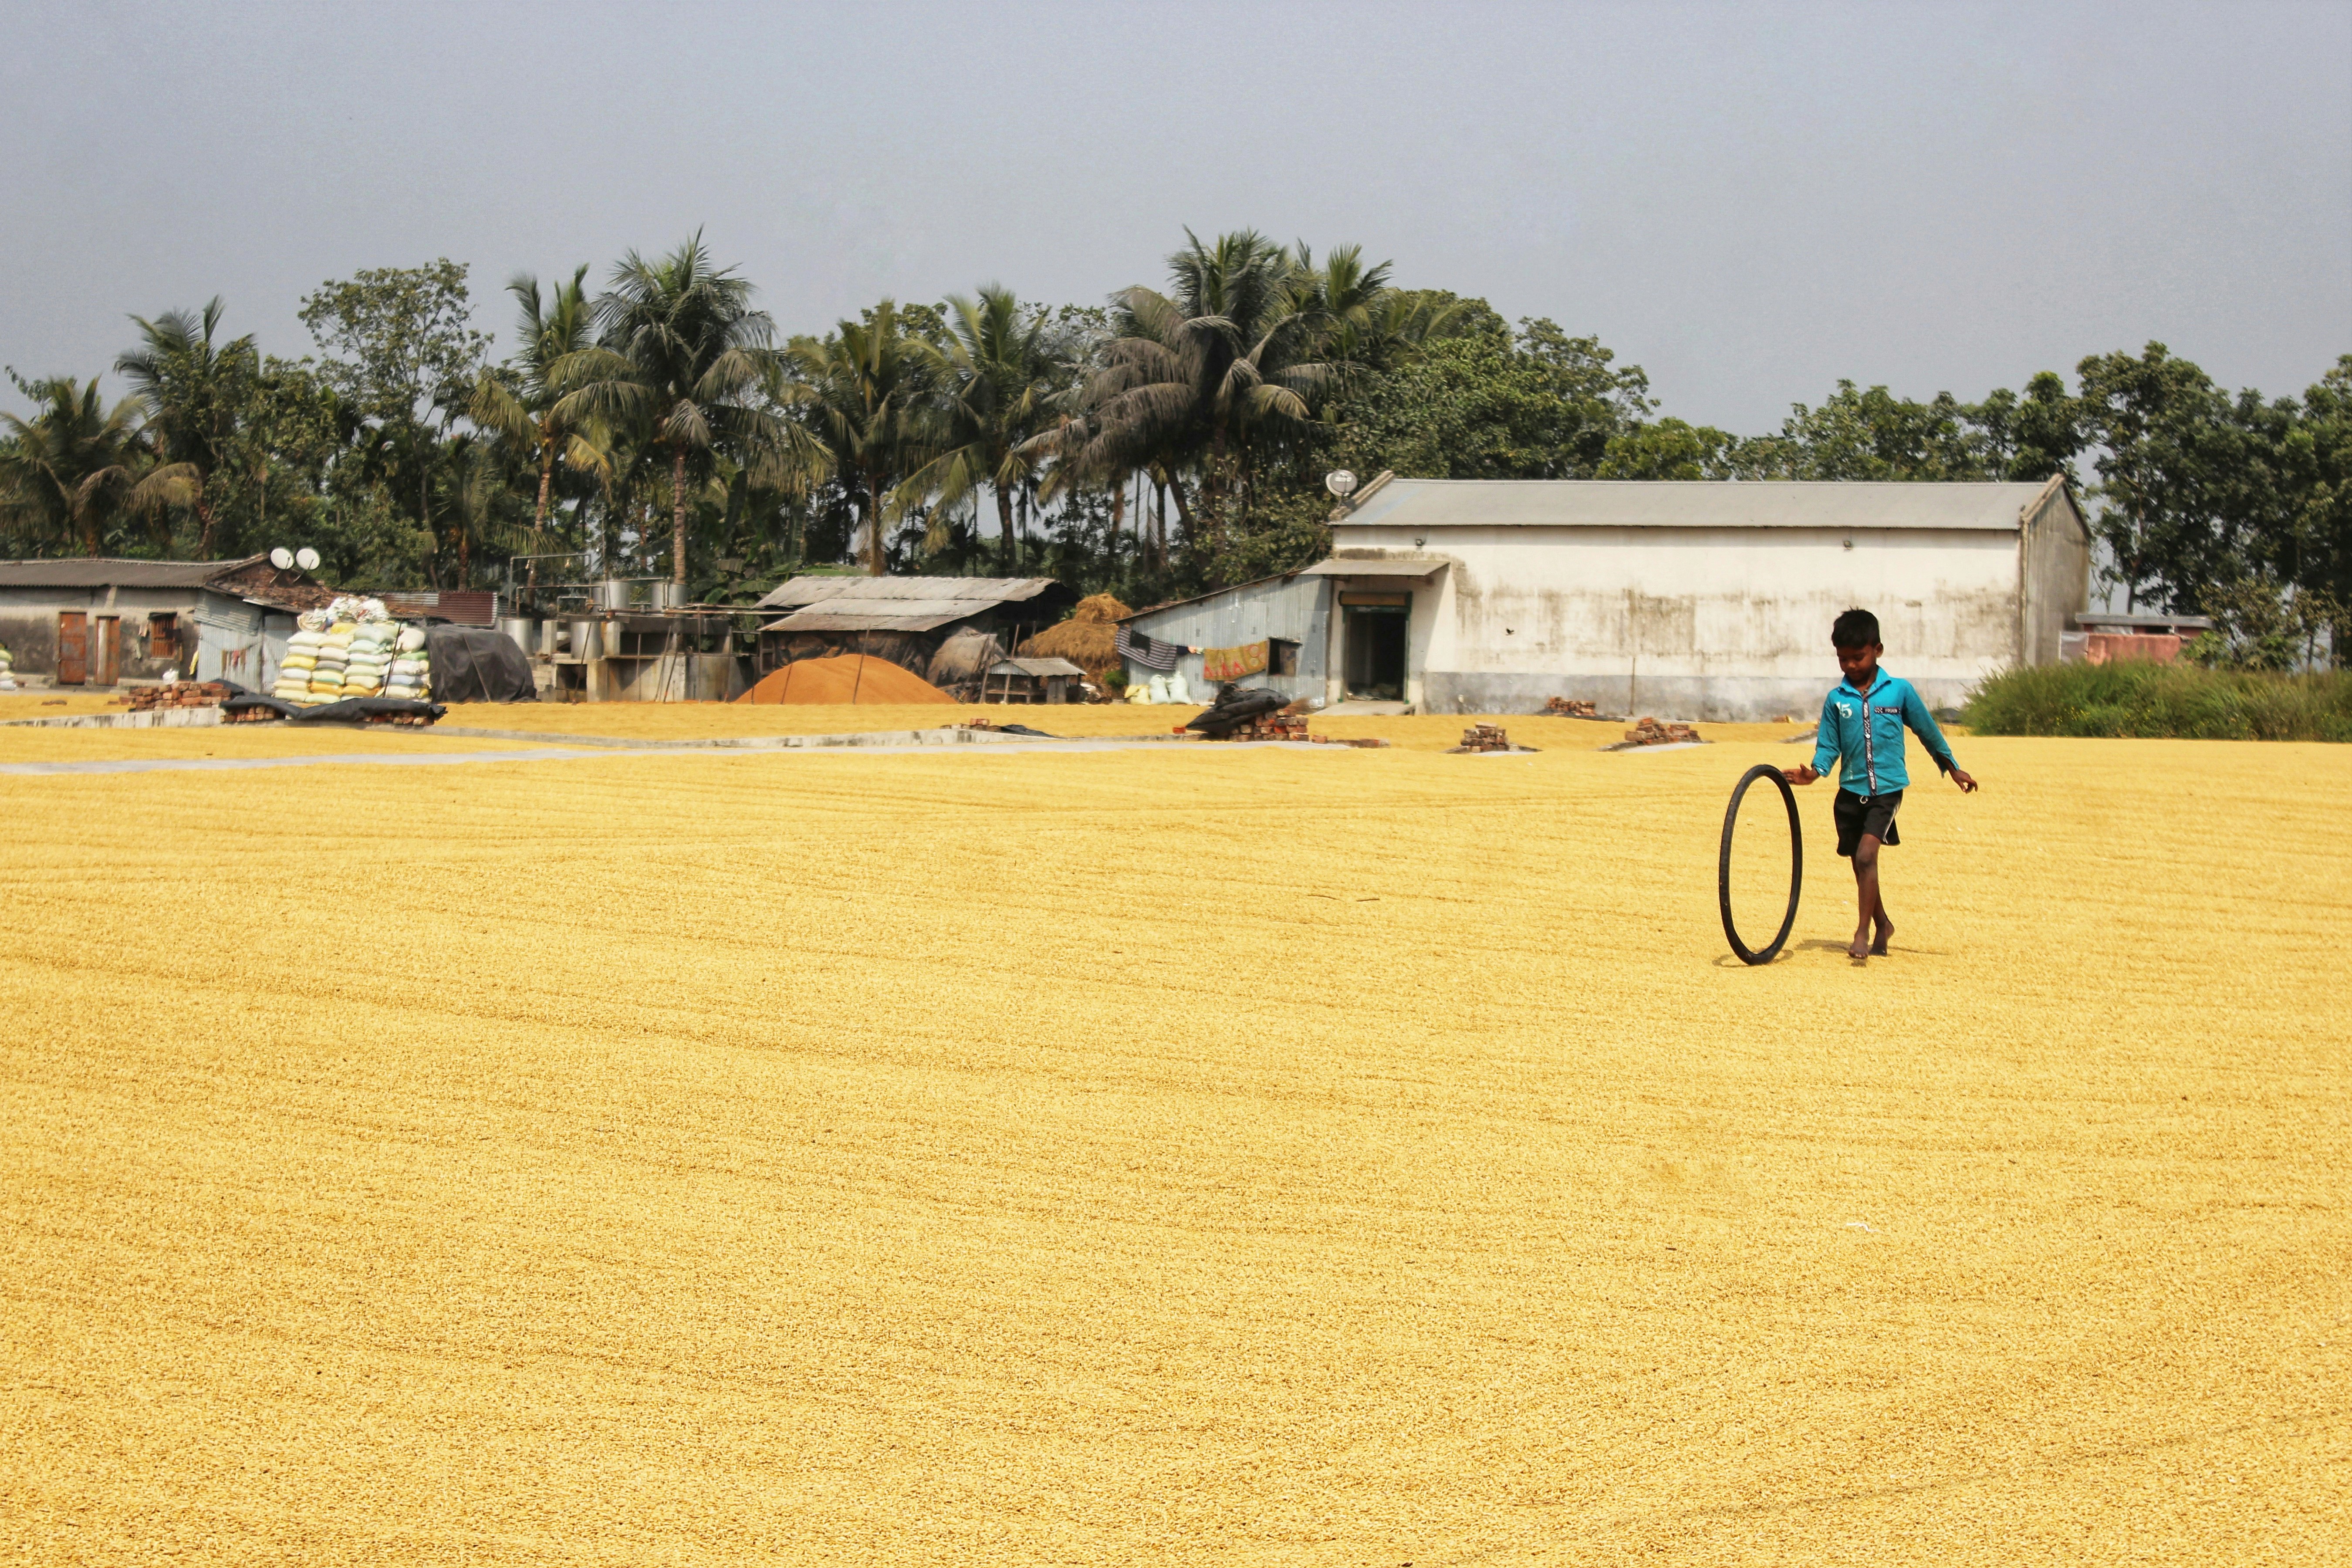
(844, 678)
(1090, 639)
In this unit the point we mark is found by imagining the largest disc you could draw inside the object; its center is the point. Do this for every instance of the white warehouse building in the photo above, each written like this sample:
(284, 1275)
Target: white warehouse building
(1700, 600)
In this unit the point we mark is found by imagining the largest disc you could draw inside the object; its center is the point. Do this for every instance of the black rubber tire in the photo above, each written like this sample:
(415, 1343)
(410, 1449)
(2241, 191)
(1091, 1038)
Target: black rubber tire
(1796, 866)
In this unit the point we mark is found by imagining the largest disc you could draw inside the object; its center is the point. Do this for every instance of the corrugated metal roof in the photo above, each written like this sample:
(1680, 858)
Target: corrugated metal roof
(883, 616)
(1038, 666)
(1694, 503)
(1378, 567)
(105, 572)
(974, 594)
(459, 606)
(1133, 616)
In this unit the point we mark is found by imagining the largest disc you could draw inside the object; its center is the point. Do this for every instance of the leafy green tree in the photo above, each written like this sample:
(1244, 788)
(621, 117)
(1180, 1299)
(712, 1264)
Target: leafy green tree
(1872, 435)
(685, 360)
(1480, 401)
(2317, 460)
(403, 357)
(518, 403)
(2035, 436)
(2184, 477)
(77, 468)
(194, 393)
(866, 392)
(1669, 449)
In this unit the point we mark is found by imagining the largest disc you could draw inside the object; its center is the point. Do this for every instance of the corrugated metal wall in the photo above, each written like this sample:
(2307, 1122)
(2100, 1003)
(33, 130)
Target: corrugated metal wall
(1295, 608)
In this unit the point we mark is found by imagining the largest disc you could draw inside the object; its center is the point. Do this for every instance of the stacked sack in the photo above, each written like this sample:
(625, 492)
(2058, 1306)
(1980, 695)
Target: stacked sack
(371, 657)
(334, 657)
(351, 649)
(411, 674)
(302, 658)
(7, 669)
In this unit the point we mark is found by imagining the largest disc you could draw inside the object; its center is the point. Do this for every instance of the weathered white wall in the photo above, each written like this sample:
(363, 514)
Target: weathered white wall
(1720, 624)
(2057, 575)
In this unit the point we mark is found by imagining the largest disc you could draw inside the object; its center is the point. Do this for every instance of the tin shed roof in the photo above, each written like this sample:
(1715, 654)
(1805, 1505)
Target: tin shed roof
(1378, 567)
(107, 572)
(894, 604)
(1037, 666)
(1694, 503)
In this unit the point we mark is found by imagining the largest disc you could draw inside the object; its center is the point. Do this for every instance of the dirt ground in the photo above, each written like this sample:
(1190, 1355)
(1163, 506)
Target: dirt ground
(1175, 1154)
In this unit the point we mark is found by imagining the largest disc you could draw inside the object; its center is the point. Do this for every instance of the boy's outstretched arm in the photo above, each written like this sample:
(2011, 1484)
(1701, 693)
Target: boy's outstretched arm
(1931, 735)
(1825, 750)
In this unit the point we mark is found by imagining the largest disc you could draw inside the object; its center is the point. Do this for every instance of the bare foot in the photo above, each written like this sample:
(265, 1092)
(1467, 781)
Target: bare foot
(1858, 948)
(1886, 935)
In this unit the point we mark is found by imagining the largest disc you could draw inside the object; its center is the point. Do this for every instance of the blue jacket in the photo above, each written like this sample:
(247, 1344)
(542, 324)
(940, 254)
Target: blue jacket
(1871, 742)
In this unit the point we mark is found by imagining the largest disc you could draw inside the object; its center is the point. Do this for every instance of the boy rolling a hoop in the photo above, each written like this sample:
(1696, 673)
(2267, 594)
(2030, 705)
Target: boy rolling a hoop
(1862, 724)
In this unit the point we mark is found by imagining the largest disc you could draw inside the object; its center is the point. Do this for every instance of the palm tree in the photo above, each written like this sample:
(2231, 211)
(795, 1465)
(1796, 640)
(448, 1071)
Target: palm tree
(472, 486)
(1355, 321)
(194, 395)
(1197, 378)
(685, 358)
(996, 374)
(77, 465)
(521, 407)
(866, 388)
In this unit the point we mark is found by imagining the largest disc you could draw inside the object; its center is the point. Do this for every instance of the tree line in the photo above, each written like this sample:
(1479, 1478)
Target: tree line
(1168, 440)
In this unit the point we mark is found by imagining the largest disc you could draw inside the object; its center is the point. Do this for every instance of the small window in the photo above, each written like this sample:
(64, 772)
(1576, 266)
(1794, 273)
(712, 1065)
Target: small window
(163, 636)
(1281, 657)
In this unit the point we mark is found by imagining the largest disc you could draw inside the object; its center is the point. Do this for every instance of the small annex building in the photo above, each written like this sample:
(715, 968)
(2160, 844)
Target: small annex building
(903, 620)
(1697, 600)
(97, 621)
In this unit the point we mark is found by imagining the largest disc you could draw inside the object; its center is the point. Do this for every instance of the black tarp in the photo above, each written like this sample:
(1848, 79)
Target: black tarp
(350, 711)
(1236, 706)
(475, 664)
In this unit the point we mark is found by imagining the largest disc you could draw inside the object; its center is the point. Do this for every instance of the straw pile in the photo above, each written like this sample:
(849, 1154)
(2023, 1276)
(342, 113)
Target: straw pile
(846, 677)
(1090, 639)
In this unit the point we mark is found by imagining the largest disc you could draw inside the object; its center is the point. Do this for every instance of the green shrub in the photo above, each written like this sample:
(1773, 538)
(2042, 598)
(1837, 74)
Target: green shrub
(2162, 701)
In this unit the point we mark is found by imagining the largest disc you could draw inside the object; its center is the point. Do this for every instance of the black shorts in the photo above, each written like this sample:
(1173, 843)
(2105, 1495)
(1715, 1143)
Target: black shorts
(1858, 815)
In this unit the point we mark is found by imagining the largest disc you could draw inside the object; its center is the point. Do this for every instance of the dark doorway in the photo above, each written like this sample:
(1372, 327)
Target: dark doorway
(1375, 635)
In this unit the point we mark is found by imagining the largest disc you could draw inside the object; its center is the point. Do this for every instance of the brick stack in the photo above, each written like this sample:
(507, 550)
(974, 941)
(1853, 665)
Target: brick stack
(1649, 732)
(1269, 727)
(1289, 727)
(1564, 708)
(1486, 738)
(179, 694)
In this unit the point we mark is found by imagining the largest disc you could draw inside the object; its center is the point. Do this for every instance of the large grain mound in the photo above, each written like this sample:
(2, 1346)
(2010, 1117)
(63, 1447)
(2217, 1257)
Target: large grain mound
(846, 679)
(1183, 1155)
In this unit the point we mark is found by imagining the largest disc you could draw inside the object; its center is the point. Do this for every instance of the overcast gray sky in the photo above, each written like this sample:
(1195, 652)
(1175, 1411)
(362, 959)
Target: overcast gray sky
(1749, 201)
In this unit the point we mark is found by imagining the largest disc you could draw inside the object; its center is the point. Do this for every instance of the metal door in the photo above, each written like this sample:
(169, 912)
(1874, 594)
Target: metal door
(110, 651)
(73, 647)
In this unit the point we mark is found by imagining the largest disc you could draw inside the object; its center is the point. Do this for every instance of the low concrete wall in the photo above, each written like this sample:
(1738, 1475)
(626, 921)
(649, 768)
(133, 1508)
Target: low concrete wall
(1720, 698)
(154, 719)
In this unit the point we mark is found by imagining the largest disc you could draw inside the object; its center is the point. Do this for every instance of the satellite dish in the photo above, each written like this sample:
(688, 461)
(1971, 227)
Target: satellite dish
(1340, 482)
(281, 558)
(307, 559)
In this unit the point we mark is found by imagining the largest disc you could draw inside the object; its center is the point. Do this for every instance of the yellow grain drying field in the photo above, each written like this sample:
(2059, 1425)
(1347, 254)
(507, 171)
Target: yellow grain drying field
(1171, 1155)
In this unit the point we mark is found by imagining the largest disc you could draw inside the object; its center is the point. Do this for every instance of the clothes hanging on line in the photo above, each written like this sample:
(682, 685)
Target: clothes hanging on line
(1224, 664)
(1147, 650)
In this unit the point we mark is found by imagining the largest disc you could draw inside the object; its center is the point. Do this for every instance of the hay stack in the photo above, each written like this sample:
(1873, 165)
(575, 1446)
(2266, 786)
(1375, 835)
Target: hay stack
(1090, 639)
